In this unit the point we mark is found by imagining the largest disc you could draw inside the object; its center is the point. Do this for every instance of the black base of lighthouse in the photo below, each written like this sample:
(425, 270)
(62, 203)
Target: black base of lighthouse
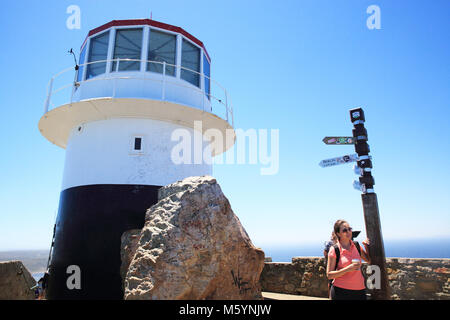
(91, 220)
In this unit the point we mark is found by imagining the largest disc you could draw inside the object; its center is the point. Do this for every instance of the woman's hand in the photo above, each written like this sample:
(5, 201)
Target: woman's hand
(366, 242)
(354, 266)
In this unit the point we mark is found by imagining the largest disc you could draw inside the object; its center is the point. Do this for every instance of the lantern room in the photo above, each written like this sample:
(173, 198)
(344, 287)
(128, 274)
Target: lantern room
(138, 68)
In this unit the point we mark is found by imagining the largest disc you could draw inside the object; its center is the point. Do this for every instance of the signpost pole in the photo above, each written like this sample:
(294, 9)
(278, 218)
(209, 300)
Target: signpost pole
(370, 205)
(376, 247)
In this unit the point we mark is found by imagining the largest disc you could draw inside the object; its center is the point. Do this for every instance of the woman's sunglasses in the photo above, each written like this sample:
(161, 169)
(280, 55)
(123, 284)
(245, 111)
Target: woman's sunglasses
(345, 230)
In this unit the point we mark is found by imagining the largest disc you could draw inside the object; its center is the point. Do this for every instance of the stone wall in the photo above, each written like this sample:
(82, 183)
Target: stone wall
(423, 279)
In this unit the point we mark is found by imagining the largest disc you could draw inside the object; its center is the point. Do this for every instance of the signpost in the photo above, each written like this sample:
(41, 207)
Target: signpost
(338, 140)
(365, 184)
(370, 204)
(339, 160)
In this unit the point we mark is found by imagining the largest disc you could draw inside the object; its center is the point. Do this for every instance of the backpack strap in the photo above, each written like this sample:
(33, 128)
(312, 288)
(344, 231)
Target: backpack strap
(338, 254)
(357, 247)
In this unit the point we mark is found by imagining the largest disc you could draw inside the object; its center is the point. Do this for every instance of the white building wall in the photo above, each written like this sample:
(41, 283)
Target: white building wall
(101, 152)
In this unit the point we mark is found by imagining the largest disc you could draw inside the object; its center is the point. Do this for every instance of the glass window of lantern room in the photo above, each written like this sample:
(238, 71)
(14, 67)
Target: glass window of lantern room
(98, 51)
(128, 45)
(190, 59)
(207, 73)
(81, 61)
(162, 47)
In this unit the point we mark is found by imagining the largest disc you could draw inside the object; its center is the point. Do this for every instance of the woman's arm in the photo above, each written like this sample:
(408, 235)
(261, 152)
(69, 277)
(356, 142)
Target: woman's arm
(333, 274)
(365, 252)
(365, 256)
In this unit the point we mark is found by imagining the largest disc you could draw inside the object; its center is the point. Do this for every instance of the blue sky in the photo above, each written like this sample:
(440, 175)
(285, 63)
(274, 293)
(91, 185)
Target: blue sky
(296, 66)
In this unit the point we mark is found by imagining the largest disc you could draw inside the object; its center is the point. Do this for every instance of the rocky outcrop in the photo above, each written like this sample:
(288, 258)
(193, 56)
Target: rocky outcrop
(15, 281)
(129, 243)
(192, 246)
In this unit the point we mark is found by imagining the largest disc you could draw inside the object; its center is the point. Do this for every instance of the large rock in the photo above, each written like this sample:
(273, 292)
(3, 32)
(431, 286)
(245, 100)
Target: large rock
(192, 246)
(15, 281)
(129, 243)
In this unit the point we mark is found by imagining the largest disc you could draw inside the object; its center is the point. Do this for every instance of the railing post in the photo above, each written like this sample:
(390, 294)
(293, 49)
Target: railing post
(115, 79)
(226, 104)
(114, 87)
(74, 84)
(202, 94)
(232, 118)
(202, 86)
(164, 81)
(49, 93)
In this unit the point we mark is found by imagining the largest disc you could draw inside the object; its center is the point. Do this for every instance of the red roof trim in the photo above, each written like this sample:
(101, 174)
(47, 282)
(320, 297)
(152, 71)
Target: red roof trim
(153, 23)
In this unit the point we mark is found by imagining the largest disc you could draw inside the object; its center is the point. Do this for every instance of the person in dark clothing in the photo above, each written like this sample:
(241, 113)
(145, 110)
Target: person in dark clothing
(42, 285)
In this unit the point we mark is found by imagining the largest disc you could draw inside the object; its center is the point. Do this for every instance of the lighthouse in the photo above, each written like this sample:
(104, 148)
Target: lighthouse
(135, 84)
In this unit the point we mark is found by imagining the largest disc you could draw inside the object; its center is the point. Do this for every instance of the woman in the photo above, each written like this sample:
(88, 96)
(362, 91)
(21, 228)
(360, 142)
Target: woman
(348, 283)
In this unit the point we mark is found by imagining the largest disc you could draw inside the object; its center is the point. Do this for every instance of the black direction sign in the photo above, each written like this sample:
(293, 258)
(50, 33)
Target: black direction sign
(338, 140)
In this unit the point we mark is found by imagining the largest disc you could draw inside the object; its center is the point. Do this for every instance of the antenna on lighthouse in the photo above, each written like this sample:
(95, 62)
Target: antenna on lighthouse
(74, 58)
(151, 15)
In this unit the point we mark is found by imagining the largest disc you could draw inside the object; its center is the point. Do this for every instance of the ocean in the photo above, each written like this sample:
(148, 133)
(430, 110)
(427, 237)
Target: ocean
(427, 248)
(38, 275)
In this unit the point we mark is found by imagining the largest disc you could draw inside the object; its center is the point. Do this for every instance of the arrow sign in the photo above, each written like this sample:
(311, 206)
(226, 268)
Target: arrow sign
(357, 170)
(358, 186)
(338, 140)
(339, 160)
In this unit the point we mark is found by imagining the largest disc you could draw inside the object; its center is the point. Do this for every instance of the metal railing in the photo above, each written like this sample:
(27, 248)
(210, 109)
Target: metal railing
(223, 100)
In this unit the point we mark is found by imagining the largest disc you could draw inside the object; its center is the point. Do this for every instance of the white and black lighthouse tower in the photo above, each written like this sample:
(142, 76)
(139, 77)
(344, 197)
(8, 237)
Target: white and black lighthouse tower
(136, 83)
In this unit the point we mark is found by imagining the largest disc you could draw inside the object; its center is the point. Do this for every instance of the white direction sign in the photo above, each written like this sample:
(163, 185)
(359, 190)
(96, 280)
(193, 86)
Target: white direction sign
(339, 160)
(358, 186)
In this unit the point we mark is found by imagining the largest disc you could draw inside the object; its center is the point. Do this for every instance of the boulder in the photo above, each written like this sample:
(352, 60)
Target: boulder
(129, 242)
(15, 281)
(192, 246)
